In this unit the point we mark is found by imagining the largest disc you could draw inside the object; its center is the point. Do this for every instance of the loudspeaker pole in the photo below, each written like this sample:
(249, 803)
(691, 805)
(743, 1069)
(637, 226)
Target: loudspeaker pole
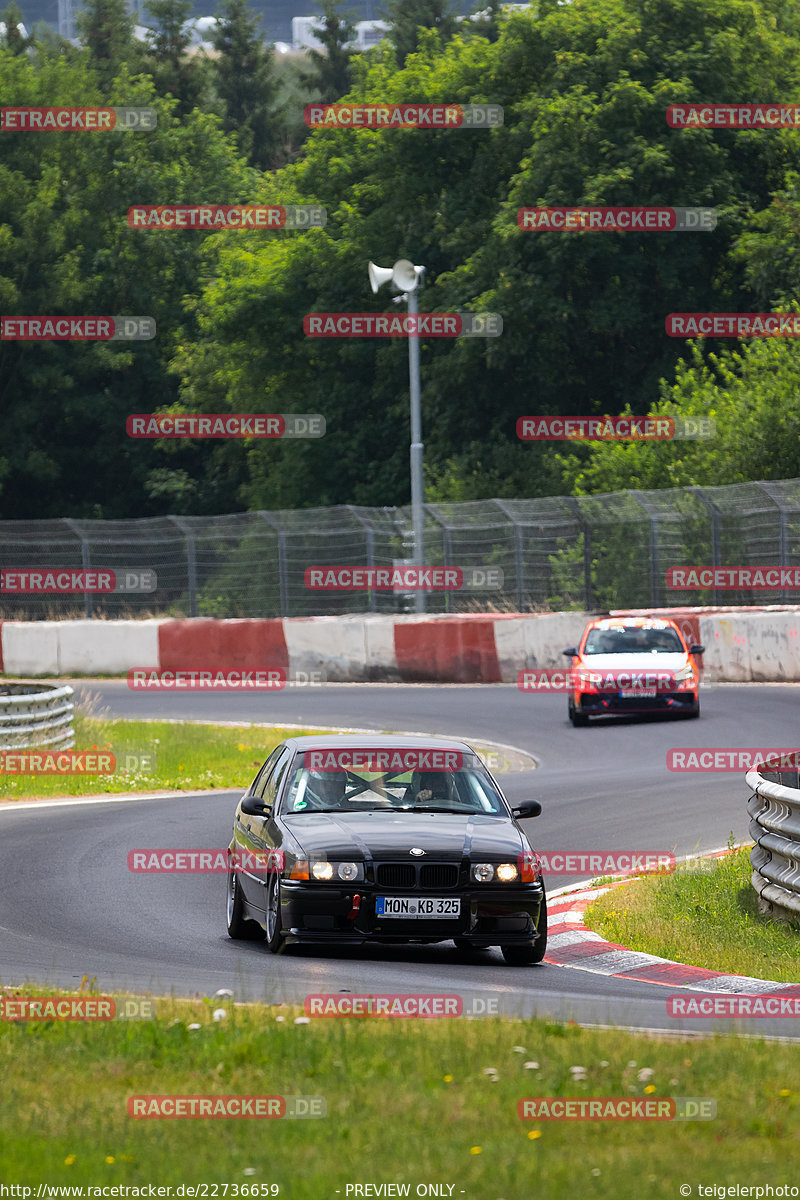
(407, 278)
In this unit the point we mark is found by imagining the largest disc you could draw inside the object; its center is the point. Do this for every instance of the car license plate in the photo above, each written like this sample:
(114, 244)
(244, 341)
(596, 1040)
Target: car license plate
(416, 906)
(639, 693)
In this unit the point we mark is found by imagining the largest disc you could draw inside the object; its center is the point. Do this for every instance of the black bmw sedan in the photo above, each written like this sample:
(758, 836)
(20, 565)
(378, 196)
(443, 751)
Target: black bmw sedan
(352, 839)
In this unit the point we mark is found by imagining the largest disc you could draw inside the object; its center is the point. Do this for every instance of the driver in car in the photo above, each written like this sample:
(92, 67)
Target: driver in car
(433, 788)
(326, 789)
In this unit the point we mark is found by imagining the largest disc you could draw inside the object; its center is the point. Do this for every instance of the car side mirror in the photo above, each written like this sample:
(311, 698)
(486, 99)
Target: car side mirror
(696, 649)
(529, 808)
(572, 652)
(253, 807)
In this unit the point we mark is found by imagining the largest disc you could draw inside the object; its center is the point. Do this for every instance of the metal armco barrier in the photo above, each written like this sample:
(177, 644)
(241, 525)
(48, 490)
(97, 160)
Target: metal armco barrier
(775, 828)
(36, 714)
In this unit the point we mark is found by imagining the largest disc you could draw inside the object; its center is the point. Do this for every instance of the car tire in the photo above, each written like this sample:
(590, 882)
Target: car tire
(239, 927)
(274, 930)
(579, 720)
(696, 710)
(534, 952)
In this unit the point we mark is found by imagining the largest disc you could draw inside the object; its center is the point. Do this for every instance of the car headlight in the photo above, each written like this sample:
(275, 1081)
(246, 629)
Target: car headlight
(685, 677)
(506, 872)
(349, 872)
(486, 872)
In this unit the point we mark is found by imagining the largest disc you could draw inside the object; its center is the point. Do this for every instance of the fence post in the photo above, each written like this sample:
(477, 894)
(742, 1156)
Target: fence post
(716, 532)
(191, 562)
(588, 591)
(369, 539)
(519, 561)
(86, 562)
(783, 531)
(655, 565)
(283, 572)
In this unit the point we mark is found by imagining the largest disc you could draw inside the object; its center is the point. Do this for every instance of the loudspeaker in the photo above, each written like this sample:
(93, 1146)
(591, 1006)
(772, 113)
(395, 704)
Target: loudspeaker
(405, 275)
(379, 275)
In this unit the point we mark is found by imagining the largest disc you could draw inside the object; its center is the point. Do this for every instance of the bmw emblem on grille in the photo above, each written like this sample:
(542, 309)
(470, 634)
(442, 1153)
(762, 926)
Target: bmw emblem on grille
(415, 850)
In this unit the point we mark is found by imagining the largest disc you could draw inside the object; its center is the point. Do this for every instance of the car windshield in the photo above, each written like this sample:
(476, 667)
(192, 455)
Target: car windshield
(466, 790)
(632, 640)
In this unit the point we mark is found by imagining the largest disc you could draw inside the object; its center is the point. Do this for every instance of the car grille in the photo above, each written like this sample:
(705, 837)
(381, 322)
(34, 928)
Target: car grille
(396, 875)
(438, 875)
(408, 875)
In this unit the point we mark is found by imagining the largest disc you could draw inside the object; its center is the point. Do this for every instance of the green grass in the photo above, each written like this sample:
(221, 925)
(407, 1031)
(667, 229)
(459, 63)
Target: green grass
(407, 1101)
(187, 757)
(705, 914)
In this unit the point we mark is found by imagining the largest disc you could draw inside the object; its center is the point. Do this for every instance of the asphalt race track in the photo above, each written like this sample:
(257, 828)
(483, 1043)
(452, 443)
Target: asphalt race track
(69, 905)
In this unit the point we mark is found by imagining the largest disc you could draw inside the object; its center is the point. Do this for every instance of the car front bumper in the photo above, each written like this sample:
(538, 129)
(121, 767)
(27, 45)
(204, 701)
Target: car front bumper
(596, 704)
(489, 916)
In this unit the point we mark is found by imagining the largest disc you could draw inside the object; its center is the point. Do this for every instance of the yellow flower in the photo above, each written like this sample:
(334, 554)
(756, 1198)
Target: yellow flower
(535, 1133)
(476, 1149)
(687, 1062)
(447, 1078)
(650, 1088)
(69, 1160)
(784, 1092)
(110, 1158)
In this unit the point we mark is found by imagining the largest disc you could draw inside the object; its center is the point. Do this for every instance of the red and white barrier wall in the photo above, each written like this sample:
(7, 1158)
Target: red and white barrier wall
(760, 645)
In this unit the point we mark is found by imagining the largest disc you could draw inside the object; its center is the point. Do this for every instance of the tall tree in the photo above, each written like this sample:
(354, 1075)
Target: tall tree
(174, 70)
(106, 29)
(407, 17)
(486, 18)
(244, 79)
(330, 74)
(15, 41)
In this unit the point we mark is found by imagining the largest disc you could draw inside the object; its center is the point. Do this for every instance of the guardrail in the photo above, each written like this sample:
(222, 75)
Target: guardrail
(775, 828)
(36, 714)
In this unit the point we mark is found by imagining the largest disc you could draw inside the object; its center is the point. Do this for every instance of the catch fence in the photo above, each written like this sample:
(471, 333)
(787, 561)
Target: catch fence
(559, 552)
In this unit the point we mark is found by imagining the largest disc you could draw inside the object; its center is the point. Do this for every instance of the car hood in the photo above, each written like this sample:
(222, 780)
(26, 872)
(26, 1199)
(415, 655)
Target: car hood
(382, 835)
(634, 662)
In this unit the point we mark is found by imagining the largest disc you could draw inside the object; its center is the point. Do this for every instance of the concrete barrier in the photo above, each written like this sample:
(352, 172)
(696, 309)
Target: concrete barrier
(741, 645)
(211, 645)
(452, 649)
(345, 649)
(30, 648)
(107, 647)
(527, 642)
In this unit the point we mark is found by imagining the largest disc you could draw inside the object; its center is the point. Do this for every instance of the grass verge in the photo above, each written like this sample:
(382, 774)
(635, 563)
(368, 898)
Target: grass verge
(408, 1102)
(706, 915)
(155, 755)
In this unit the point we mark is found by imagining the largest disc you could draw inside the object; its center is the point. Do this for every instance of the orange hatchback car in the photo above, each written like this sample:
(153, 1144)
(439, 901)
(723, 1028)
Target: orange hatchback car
(633, 665)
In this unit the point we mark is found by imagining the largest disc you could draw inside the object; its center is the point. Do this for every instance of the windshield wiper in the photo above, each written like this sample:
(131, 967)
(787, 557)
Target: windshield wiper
(458, 812)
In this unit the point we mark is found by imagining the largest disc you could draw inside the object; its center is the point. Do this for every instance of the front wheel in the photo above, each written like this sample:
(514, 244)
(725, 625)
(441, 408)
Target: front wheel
(274, 931)
(239, 927)
(534, 952)
(577, 719)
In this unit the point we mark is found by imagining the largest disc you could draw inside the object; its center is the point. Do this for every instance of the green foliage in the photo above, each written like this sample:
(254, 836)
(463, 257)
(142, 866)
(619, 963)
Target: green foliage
(408, 17)
(330, 77)
(243, 76)
(106, 29)
(66, 248)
